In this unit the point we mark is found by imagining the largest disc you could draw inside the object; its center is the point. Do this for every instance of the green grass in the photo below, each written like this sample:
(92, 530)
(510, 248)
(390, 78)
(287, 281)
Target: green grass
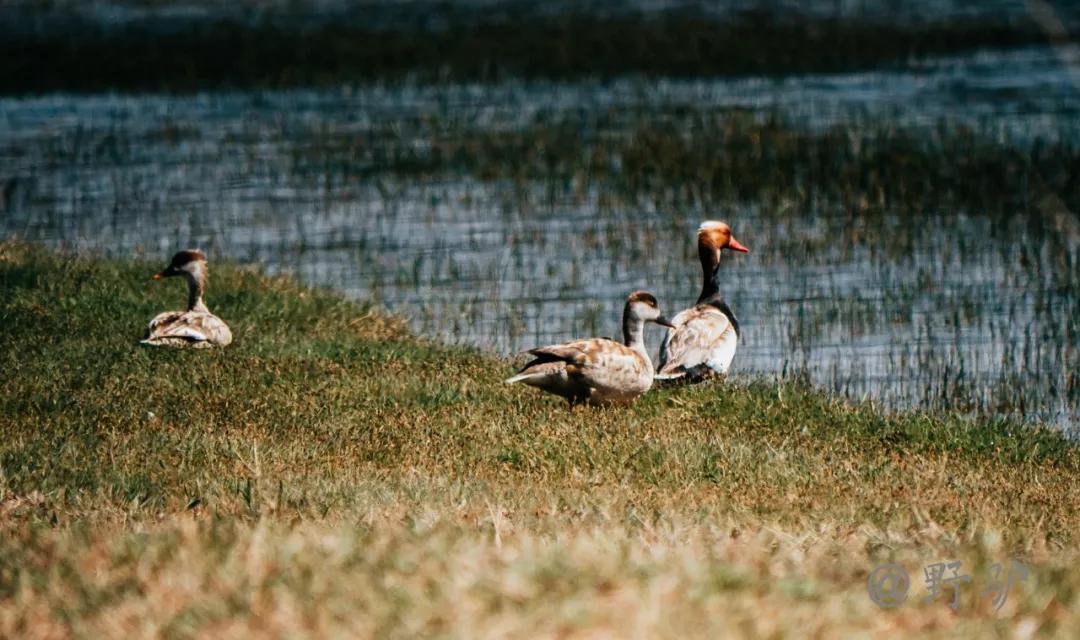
(330, 474)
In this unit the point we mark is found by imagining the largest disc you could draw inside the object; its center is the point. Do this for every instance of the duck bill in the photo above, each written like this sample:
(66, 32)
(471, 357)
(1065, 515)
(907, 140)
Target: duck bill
(664, 322)
(734, 245)
(167, 272)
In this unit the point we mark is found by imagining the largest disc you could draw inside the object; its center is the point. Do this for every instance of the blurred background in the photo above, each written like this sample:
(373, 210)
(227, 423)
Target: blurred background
(503, 173)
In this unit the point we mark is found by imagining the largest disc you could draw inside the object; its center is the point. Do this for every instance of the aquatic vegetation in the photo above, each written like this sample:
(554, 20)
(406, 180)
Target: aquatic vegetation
(929, 265)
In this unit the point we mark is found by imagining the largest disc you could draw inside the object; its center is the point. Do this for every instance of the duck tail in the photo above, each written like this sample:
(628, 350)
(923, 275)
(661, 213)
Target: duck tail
(670, 377)
(519, 377)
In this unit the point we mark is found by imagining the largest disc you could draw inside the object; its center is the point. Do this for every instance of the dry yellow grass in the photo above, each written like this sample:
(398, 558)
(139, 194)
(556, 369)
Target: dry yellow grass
(330, 475)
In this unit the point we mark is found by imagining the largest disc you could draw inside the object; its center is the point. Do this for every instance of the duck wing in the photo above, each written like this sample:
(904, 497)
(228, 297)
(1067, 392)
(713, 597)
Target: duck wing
(556, 369)
(190, 328)
(677, 321)
(605, 366)
(702, 344)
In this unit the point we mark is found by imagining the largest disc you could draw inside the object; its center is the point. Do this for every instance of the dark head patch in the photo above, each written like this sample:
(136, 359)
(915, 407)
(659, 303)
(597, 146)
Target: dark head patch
(183, 257)
(643, 296)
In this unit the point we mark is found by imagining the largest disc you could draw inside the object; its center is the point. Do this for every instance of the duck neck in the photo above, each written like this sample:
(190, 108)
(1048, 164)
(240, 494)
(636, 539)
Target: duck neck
(633, 330)
(710, 260)
(196, 282)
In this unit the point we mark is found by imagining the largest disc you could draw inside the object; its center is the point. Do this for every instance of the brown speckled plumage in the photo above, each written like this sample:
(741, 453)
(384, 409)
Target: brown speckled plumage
(598, 371)
(702, 344)
(195, 327)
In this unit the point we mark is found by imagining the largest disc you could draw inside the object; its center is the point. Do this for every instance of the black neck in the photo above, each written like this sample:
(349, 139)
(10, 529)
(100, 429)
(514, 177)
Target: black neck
(709, 286)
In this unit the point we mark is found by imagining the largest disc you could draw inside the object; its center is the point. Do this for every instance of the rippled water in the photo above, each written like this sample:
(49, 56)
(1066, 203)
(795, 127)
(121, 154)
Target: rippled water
(965, 312)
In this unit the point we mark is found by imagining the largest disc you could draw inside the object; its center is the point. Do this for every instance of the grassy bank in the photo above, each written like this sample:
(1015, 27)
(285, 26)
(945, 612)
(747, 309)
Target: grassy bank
(330, 473)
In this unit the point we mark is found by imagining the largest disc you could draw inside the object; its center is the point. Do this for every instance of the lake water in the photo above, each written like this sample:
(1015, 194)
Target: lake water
(58, 14)
(965, 312)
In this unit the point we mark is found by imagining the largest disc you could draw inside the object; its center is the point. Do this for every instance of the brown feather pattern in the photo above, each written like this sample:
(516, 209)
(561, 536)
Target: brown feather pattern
(596, 371)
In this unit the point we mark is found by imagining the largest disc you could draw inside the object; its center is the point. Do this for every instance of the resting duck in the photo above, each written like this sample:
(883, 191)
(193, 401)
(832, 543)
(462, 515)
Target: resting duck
(703, 340)
(599, 371)
(196, 327)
